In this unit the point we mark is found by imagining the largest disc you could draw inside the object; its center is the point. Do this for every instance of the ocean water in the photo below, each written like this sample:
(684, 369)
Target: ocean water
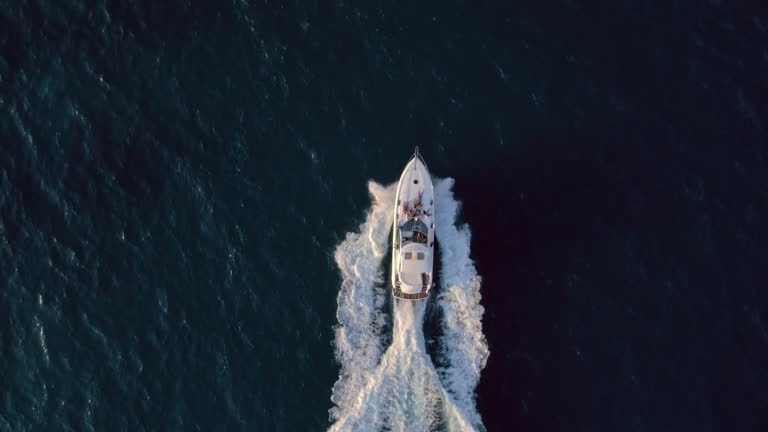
(193, 207)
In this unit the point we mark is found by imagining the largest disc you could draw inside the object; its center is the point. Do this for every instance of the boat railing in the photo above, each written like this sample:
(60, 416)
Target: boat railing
(416, 154)
(407, 296)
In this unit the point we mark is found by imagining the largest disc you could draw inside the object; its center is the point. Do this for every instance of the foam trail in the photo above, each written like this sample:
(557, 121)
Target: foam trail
(463, 345)
(358, 341)
(400, 390)
(402, 394)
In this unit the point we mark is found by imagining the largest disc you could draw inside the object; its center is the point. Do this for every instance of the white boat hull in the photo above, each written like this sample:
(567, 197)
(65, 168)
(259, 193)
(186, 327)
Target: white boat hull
(413, 233)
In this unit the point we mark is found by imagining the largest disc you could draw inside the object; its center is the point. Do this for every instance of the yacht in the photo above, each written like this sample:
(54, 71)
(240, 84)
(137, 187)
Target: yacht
(413, 233)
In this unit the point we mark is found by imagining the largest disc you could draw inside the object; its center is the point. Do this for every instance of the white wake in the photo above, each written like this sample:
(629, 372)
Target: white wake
(399, 389)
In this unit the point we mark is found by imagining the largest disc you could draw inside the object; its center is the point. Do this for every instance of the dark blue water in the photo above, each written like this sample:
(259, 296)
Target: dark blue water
(174, 178)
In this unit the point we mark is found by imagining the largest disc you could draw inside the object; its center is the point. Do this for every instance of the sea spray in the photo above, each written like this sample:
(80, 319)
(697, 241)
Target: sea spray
(401, 389)
(463, 346)
(403, 393)
(360, 302)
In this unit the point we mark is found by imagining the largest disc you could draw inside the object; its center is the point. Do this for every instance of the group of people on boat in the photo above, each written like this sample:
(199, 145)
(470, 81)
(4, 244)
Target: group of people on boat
(416, 210)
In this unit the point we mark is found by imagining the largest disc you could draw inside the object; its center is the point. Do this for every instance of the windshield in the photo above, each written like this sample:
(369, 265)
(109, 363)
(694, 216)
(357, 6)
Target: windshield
(414, 231)
(415, 225)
